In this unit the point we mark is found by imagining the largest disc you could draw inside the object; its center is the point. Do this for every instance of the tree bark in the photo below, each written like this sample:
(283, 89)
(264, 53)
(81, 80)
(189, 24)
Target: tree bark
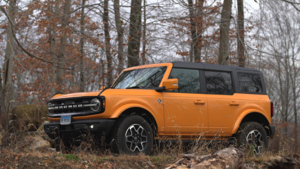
(224, 33)
(241, 33)
(52, 43)
(81, 63)
(8, 66)
(144, 35)
(2, 109)
(196, 21)
(107, 44)
(120, 31)
(134, 33)
(62, 47)
(193, 29)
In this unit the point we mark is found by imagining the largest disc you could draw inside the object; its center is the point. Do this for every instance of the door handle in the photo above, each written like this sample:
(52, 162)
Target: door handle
(199, 102)
(234, 103)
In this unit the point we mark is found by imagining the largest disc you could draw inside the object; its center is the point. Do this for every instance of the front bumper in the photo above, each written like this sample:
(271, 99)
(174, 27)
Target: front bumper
(96, 127)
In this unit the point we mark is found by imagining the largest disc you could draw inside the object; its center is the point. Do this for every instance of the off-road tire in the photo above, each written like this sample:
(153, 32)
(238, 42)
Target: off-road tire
(252, 136)
(141, 140)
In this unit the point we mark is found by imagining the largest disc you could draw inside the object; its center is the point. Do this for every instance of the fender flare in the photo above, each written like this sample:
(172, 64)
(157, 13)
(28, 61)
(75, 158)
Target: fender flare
(125, 107)
(242, 116)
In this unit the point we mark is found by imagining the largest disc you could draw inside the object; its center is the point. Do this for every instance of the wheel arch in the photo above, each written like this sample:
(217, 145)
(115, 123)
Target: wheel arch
(141, 112)
(253, 117)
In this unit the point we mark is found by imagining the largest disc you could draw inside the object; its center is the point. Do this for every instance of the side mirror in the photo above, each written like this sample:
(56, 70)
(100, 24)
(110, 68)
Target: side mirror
(103, 87)
(170, 84)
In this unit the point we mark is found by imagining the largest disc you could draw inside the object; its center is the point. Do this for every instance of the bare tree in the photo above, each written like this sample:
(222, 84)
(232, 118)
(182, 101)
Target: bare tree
(224, 33)
(81, 64)
(241, 33)
(8, 66)
(120, 31)
(62, 46)
(143, 54)
(281, 37)
(107, 44)
(52, 41)
(196, 21)
(134, 33)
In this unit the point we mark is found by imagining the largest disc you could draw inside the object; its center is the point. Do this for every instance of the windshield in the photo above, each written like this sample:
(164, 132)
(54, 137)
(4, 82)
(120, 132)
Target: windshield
(140, 78)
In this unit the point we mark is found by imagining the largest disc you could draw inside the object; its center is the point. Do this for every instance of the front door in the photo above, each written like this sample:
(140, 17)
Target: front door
(185, 109)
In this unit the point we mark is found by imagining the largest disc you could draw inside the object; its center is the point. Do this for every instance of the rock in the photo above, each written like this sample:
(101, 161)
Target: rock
(228, 158)
(33, 143)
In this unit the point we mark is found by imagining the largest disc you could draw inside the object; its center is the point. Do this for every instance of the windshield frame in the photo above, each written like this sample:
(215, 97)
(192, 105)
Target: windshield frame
(139, 72)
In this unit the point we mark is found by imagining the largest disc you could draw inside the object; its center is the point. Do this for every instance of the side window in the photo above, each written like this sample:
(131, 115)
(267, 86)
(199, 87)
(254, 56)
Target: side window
(250, 83)
(188, 80)
(218, 82)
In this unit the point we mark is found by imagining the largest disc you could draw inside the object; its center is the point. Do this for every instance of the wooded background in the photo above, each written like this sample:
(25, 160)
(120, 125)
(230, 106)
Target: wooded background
(50, 46)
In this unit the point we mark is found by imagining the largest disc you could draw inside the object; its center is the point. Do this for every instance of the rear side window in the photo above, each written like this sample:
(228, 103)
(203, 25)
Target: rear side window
(218, 82)
(250, 83)
(188, 80)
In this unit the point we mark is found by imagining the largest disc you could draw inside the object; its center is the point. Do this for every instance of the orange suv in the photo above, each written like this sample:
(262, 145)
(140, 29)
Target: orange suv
(162, 101)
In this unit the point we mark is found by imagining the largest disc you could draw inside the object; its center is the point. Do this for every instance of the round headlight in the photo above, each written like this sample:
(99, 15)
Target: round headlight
(96, 105)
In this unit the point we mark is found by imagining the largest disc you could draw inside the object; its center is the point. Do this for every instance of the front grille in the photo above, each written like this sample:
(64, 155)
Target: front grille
(73, 106)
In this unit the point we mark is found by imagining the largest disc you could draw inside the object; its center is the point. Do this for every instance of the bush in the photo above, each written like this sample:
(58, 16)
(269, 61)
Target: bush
(28, 117)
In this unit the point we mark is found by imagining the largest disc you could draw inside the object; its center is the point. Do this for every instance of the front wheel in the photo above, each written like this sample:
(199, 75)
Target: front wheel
(253, 136)
(133, 135)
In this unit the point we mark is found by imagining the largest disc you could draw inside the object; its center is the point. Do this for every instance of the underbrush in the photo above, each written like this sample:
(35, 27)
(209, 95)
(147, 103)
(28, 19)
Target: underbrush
(32, 149)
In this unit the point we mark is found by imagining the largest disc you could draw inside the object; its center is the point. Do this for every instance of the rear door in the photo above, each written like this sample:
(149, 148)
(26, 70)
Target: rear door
(222, 102)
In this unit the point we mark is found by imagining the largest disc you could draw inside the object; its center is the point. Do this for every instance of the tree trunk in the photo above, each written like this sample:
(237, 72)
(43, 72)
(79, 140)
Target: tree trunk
(196, 21)
(199, 24)
(241, 33)
(62, 46)
(81, 63)
(120, 31)
(52, 42)
(144, 35)
(193, 29)
(2, 109)
(134, 33)
(107, 44)
(224, 33)
(8, 67)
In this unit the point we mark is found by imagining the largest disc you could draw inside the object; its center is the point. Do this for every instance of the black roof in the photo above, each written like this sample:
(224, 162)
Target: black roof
(205, 66)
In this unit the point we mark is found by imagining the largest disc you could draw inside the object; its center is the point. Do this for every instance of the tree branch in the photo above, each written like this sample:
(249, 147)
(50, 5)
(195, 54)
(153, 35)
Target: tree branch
(20, 45)
(293, 3)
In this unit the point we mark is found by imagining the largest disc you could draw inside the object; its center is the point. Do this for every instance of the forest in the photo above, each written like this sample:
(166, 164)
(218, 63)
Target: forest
(65, 46)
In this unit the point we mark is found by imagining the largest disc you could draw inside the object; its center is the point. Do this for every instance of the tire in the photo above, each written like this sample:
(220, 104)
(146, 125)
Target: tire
(132, 135)
(253, 137)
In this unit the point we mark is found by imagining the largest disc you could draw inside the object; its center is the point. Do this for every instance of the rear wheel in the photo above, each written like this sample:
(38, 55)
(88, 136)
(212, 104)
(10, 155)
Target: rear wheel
(133, 135)
(253, 136)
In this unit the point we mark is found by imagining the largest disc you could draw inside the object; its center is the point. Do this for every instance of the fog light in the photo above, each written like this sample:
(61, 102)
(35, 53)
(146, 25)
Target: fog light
(92, 126)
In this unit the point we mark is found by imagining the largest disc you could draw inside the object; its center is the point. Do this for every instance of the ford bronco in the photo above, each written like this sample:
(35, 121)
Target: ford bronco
(162, 101)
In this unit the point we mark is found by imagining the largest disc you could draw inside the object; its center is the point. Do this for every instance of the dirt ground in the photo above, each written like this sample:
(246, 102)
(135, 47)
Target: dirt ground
(33, 152)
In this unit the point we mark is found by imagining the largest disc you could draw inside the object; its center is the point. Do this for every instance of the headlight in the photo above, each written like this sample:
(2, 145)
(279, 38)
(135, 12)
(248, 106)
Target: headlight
(96, 105)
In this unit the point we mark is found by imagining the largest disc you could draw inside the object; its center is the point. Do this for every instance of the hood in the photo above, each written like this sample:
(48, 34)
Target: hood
(80, 94)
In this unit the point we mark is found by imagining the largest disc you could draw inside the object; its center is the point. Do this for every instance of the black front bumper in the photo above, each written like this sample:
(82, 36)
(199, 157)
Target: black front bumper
(96, 127)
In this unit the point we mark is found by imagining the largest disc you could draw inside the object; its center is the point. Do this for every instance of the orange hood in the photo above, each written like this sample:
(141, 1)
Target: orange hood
(81, 94)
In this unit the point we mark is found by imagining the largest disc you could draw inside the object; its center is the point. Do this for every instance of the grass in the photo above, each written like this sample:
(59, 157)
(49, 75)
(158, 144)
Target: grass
(73, 157)
(16, 155)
